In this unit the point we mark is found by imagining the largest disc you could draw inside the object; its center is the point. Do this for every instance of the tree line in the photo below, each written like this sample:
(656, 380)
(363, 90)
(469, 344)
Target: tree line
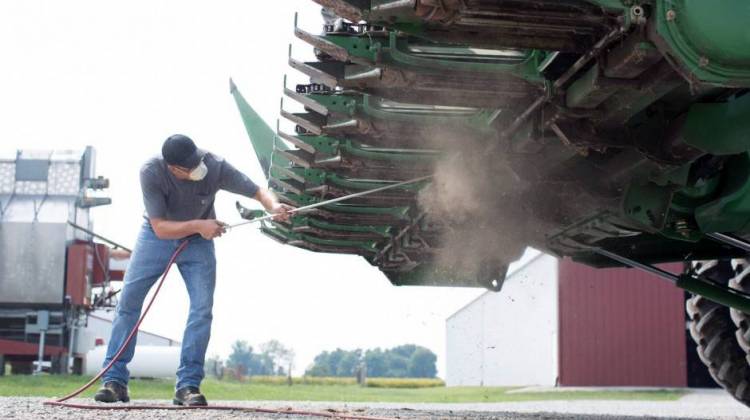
(405, 361)
(272, 358)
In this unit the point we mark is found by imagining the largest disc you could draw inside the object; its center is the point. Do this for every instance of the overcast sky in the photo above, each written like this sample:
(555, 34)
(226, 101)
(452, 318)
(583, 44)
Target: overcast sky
(122, 76)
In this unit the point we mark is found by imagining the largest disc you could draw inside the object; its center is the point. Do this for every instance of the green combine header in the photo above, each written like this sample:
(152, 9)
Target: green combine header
(613, 132)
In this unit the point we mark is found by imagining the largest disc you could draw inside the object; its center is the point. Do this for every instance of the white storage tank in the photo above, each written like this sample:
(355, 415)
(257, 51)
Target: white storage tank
(148, 362)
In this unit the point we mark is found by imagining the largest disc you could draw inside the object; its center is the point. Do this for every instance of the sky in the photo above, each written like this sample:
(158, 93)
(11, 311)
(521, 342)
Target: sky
(123, 76)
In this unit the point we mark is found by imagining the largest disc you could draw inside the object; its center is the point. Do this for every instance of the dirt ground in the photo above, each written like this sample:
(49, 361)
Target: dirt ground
(702, 404)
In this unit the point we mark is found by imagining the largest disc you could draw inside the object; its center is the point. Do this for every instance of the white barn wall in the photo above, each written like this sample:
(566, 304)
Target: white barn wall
(464, 343)
(508, 338)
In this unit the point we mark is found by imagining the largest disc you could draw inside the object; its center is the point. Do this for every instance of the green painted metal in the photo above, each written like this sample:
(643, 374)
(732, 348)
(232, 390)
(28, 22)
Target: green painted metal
(316, 144)
(720, 128)
(314, 177)
(370, 107)
(327, 145)
(389, 48)
(262, 137)
(713, 292)
(396, 212)
(384, 231)
(590, 90)
(359, 247)
(668, 203)
(427, 72)
(615, 5)
(524, 67)
(682, 210)
(709, 38)
(730, 211)
(403, 15)
(648, 204)
(403, 156)
(361, 49)
(679, 208)
(691, 197)
(267, 144)
(369, 9)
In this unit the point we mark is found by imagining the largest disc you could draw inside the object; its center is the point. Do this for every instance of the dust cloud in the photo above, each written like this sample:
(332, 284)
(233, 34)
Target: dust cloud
(476, 198)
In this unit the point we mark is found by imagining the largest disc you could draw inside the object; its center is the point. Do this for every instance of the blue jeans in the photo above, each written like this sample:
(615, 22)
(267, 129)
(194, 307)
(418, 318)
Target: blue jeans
(197, 265)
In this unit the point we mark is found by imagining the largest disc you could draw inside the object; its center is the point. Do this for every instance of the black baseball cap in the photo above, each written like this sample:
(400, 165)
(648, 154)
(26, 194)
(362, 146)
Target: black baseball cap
(180, 150)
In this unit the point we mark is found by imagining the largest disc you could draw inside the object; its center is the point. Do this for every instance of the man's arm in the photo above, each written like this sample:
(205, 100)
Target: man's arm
(211, 228)
(168, 229)
(272, 205)
(235, 181)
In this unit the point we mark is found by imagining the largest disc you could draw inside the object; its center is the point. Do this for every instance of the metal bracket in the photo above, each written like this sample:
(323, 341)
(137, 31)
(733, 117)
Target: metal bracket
(730, 240)
(718, 293)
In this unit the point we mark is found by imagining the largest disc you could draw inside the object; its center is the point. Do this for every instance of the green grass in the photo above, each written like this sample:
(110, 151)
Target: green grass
(55, 386)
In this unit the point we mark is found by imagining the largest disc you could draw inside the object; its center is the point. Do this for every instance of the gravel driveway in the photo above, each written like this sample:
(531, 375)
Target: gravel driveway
(703, 404)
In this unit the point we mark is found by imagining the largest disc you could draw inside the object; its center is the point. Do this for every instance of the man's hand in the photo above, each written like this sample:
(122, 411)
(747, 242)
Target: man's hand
(281, 211)
(169, 229)
(211, 228)
(272, 205)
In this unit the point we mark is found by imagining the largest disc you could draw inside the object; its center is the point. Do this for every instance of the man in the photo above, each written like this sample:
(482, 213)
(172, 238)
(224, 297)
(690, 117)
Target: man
(178, 193)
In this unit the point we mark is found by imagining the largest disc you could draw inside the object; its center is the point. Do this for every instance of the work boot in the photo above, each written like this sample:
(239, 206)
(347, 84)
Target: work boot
(189, 395)
(112, 392)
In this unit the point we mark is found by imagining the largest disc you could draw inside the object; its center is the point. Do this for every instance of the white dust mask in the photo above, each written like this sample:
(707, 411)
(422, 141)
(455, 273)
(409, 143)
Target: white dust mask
(199, 173)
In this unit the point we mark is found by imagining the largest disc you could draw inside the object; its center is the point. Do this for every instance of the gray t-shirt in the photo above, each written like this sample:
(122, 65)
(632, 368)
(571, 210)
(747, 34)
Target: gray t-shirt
(167, 197)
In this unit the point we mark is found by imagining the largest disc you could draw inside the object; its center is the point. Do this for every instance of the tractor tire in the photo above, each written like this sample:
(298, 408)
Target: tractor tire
(741, 281)
(713, 331)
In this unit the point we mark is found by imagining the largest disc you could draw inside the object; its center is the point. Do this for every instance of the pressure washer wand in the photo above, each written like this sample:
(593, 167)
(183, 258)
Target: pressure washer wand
(334, 200)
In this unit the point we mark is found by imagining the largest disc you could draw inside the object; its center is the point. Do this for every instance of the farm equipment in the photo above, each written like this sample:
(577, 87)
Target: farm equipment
(52, 274)
(613, 132)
